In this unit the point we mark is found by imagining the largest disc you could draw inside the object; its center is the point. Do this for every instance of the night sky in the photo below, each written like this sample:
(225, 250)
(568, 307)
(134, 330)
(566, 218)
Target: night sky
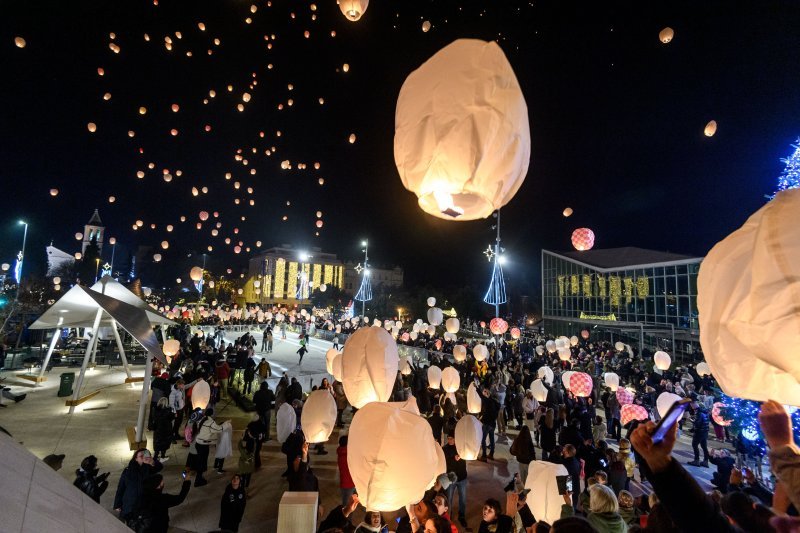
(616, 119)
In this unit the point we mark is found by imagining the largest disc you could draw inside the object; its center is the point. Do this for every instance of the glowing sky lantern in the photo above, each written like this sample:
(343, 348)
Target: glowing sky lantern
(624, 396)
(716, 414)
(156, 258)
(426, 26)
(164, 244)
(459, 353)
(611, 380)
(662, 360)
(710, 129)
(196, 273)
(203, 215)
(434, 377)
(480, 352)
(567, 212)
(539, 390)
(78, 236)
(666, 35)
(92, 127)
(353, 9)
(546, 374)
(53, 192)
(703, 369)
(468, 437)
(435, 316)
(21, 43)
(665, 401)
(631, 412)
(463, 155)
(583, 239)
(285, 421)
(498, 326)
(201, 394)
(318, 417)
(580, 384)
(352, 138)
(369, 366)
(319, 223)
(452, 325)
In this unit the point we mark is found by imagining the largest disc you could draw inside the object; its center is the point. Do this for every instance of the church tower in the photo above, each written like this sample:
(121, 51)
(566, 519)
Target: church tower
(93, 230)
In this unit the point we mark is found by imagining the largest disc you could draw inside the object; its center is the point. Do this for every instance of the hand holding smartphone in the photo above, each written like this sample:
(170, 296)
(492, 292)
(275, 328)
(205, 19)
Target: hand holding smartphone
(673, 415)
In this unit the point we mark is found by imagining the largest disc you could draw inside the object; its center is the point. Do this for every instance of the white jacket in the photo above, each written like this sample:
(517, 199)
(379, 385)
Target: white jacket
(177, 399)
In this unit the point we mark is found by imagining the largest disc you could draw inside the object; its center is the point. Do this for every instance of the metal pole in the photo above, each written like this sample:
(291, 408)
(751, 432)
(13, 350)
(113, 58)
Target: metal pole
(148, 370)
(366, 266)
(52, 347)
(113, 249)
(120, 348)
(89, 346)
(496, 259)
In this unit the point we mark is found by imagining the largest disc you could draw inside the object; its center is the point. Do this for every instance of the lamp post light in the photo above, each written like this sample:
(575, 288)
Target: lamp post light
(303, 286)
(365, 290)
(96, 268)
(21, 255)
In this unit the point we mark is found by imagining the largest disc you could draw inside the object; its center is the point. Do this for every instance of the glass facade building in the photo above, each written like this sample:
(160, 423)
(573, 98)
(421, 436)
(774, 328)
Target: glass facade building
(642, 297)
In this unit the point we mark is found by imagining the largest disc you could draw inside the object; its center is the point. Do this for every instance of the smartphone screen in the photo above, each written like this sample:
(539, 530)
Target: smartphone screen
(672, 416)
(183, 474)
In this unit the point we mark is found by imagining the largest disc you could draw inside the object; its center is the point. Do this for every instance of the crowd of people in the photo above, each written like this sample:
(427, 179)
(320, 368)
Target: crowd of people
(620, 479)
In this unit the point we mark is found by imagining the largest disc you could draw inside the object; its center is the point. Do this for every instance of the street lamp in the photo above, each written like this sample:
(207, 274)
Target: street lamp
(303, 286)
(364, 293)
(21, 256)
(96, 268)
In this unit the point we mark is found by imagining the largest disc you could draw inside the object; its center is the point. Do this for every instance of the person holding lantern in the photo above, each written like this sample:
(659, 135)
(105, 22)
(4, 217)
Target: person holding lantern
(458, 466)
(700, 434)
(490, 409)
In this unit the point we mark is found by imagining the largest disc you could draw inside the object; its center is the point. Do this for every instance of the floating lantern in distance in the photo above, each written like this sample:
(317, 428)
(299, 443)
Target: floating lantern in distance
(142, 110)
(452, 325)
(426, 26)
(112, 241)
(710, 129)
(164, 244)
(92, 127)
(666, 35)
(703, 369)
(567, 212)
(156, 257)
(78, 256)
(319, 223)
(352, 9)
(662, 360)
(196, 274)
(583, 239)
(352, 138)
(21, 43)
(53, 192)
(585, 334)
(78, 236)
(175, 108)
(469, 171)
(612, 381)
(480, 352)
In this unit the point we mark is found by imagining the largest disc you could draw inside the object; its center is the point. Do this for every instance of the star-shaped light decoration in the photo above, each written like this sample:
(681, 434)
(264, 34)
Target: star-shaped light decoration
(359, 268)
(489, 253)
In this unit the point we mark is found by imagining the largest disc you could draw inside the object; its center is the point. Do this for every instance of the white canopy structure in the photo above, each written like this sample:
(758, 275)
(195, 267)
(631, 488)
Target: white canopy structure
(83, 307)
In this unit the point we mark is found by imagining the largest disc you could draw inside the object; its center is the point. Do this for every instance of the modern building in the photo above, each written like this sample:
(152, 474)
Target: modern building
(387, 277)
(642, 297)
(286, 275)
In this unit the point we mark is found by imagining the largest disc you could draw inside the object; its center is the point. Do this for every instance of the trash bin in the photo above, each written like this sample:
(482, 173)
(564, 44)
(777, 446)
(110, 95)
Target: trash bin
(65, 388)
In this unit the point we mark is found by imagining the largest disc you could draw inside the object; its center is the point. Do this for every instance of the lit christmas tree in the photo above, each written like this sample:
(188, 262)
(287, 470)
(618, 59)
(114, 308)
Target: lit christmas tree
(790, 177)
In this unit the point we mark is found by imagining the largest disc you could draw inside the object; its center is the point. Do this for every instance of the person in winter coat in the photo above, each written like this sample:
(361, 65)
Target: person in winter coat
(603, 511)
(224, 447)
(573, 466)
(700, 435)
(177, 402)
(280, 391)
(301, 477)
(529, 409)
(626, 456)
(222, 371)
(161, 389)
(87, 480)
(129, 489)
(234, 500)
(725, 463)
(599, 430)
(341, 402)
(547, 433)
(494, 520)
(490, 410)
(301, 352)
(264, 400)
(206, 432)
(627, 508)
(246, 458)
(163, 419)
(346, 484)
(154, 512)
(456, 464)
(522, 448)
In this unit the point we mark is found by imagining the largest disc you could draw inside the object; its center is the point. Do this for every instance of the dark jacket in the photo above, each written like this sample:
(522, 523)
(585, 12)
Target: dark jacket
(490, 408)
(163, 418)
(689, 507)
(505, 524)
(90, 484)
(232, 508)
(458, 467)
(155, 508)
(522, 448)
(264, 399)
(337, 519)
(701, 422)
(129, 489)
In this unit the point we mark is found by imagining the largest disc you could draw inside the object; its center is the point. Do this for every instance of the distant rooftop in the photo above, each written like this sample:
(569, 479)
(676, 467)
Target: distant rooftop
(617, 258)
(95, 220)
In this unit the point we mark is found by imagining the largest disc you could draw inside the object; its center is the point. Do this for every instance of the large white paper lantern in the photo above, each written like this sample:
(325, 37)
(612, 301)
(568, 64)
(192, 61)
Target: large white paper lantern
(196, 274)
(285, 421)
(431, 330)
(387, 472)
(434, 377)
(539, 350)
(546, 503)
(474, 400)
(353, 9)
(336, 367)
(551, 346)
(318, 417)
(665, 401)
(468, 437)
(405, 366)
(201, 394)
(369, 366)
(565, 378)
(431, 301)
(330, 355)
(619, 346)
(171, 348)
(573, 340)
(546, 374)
(450, 379)
(662, 360)
(747, 295)
(703, 369)
(452, 325)
(480, 352)
(435, 316)
(460, 352)
(539, 390)
(612, 381)
(564, 354)
(462, 140)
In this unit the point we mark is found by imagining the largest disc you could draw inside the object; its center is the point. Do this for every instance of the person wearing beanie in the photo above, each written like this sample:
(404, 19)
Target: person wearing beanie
(88, 481)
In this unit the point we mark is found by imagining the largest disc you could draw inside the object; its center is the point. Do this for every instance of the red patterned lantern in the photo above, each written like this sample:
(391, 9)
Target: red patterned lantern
(498, 326)
(583, 239)
(438, 345)
(624, 396)
(483, 324)
(630, 412)
(580, 384)
(717, 415)
(515, 333)
(585, 334)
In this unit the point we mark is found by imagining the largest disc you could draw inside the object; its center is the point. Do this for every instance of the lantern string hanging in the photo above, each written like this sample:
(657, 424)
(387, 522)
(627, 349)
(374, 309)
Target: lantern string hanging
(496, 293)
